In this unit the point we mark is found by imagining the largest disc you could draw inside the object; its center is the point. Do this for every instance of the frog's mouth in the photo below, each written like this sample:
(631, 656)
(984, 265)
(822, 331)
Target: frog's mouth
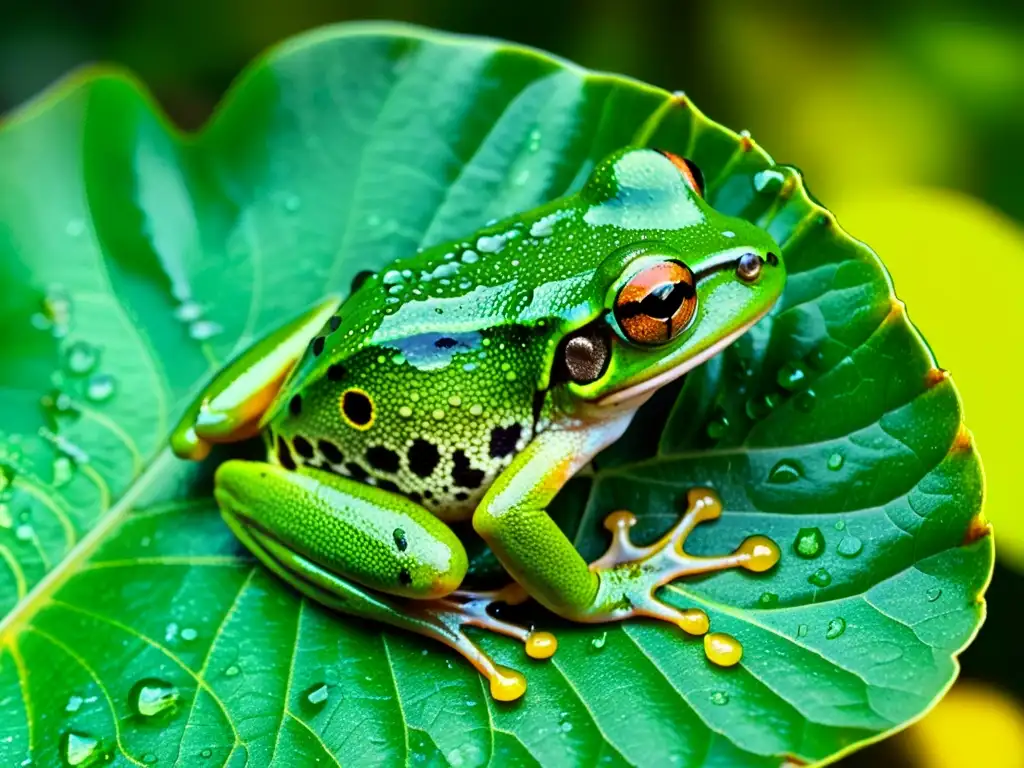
(634, 395)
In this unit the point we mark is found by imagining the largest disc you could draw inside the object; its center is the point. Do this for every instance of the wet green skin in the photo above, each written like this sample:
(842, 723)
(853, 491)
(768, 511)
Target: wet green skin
(437, 392)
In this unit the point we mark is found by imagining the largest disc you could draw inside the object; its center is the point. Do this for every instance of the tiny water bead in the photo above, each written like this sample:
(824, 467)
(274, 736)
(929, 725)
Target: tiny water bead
(719, 698)
(785, 472)
(232, 671)
(850, 546)
(821, 578)
(722, 649)
(768, 599)
(317, 695)
(100, 388)
(802, 630)
(806, 401)
(151, 697)
(597, 643)
(81, 357)
(189, 634)
(79, 749)
(933, 594)
(769, 181)
(835, 628)
(791, 376)
(718, 427)
(202, 330)
(809, 543)
(835, 461)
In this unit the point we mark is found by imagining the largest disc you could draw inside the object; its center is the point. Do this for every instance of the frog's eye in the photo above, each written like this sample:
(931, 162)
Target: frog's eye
(657, 303)
(691, 173)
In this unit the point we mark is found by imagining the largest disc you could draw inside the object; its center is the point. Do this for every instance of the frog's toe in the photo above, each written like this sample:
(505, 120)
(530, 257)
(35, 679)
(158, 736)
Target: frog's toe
(631, 574)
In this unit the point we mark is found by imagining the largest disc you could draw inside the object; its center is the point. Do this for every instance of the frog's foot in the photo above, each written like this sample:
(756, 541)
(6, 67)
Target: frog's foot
(630, 575)
(470, 609)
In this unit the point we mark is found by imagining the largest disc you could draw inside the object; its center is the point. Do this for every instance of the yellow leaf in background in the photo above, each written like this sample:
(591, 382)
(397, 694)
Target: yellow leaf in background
(975, 725)
(959, 267)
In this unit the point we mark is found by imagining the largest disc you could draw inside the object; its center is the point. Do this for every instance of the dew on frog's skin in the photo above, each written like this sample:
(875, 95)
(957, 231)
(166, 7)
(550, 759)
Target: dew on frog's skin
(718, 427)
(232, 670)
(933, 594)
(201, 330)
(405, 411)
(769, 181)
(491, 243)
(392, 277)
(470, 257)
(597, 643)
(151, 697)
(188, 312)
(802, 630)
(791, 376)
(835, 628)
(24, 532)
(722, 649)
(821, 578)
(806, 401)
(189, 634)
(785, 472)
(79, 749)
(835, 461)
(63, 470)
(317, 695)
(809, 543)
(719, 698)
(850, 546)
(81, 357)
(100, 387)
(768, 599)
(170, 632)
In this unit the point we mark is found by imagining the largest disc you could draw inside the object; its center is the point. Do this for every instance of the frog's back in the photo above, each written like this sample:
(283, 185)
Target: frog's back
(434, 416)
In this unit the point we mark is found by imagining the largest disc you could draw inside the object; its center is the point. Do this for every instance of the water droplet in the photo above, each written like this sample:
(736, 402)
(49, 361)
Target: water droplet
(101, 387)
(170, 632)
(802, 630)
(791, 376)
(933, 594)
(566, 726)
(490, 244)
(850, 546)
(768, 599)
(201, 330)
(806, 400)
(317, 695)
(719, 698)
(189, 634)
(205, 753)
(188, 311)
(722, 649)
(24, 532)
(74, 704)
(232, 671)
(79, 749)
(835, 628)
(769, 181)
(149, 758)
(821, 578)
(544, 227)
(81, 357)
(151, 697)
(758, 408)
(718, 427)
(835, 461)
(470, 257)
(840, 525)
(597, 643)
(809, 543)
(785, 472)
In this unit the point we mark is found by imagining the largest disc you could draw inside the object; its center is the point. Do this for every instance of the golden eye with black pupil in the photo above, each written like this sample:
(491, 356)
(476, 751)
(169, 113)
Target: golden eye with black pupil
(691, 173)
(748, 268)
(657, 303)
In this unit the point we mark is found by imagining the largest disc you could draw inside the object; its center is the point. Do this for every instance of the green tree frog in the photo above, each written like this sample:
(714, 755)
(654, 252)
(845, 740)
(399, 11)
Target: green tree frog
(471, 381)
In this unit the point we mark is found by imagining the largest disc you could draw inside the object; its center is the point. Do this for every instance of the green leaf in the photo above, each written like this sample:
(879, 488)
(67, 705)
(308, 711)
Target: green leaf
(136, 260)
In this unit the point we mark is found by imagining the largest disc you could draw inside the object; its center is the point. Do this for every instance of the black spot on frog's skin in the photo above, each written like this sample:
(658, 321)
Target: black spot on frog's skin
(428, 494)
(404, 577)
(382, 458)
(334, 324)
(387, 485)
(284, 456)
(504, 439)
(295, 405)
(400, 540)
(461, 496)
(357, 407)
(318, 346)
(355, 471)
(463, 473)
(538, 405)
(302, 447)
(445, 342)
(359, 279)
(335, 372)
(423, 457)
(330, 451)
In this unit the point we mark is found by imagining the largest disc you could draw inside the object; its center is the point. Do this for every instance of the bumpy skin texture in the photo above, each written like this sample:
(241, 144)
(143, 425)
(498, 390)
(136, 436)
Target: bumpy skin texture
(472, 380)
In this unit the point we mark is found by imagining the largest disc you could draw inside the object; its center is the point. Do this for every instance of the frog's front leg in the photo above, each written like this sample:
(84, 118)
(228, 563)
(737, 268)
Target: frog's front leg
(232, 405)
(370, 553)
(512, 518)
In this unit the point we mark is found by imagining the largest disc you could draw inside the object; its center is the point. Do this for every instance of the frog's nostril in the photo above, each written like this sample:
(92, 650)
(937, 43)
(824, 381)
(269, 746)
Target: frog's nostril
(772, 260)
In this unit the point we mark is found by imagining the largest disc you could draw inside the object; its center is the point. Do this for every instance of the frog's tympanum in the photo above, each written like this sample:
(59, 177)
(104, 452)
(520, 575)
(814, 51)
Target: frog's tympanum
(470, 381)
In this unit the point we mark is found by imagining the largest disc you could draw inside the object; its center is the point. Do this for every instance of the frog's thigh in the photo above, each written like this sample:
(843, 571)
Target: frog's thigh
(231, 406)
(319, 526)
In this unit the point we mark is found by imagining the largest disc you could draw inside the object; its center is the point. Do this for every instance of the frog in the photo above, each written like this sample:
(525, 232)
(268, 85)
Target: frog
(469, 381)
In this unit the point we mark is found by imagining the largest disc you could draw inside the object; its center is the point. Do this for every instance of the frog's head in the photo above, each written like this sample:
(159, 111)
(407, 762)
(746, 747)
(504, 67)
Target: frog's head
(685, 281)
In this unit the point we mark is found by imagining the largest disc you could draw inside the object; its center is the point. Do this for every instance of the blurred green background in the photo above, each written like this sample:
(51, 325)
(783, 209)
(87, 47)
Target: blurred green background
(907, 119)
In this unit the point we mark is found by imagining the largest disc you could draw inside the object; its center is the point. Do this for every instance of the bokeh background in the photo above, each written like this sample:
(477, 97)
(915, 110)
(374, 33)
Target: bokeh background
(907, 119)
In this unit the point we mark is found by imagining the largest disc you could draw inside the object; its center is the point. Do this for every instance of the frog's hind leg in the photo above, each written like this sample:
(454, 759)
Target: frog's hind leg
(369, 553)
(234, 402)
(630, 574)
